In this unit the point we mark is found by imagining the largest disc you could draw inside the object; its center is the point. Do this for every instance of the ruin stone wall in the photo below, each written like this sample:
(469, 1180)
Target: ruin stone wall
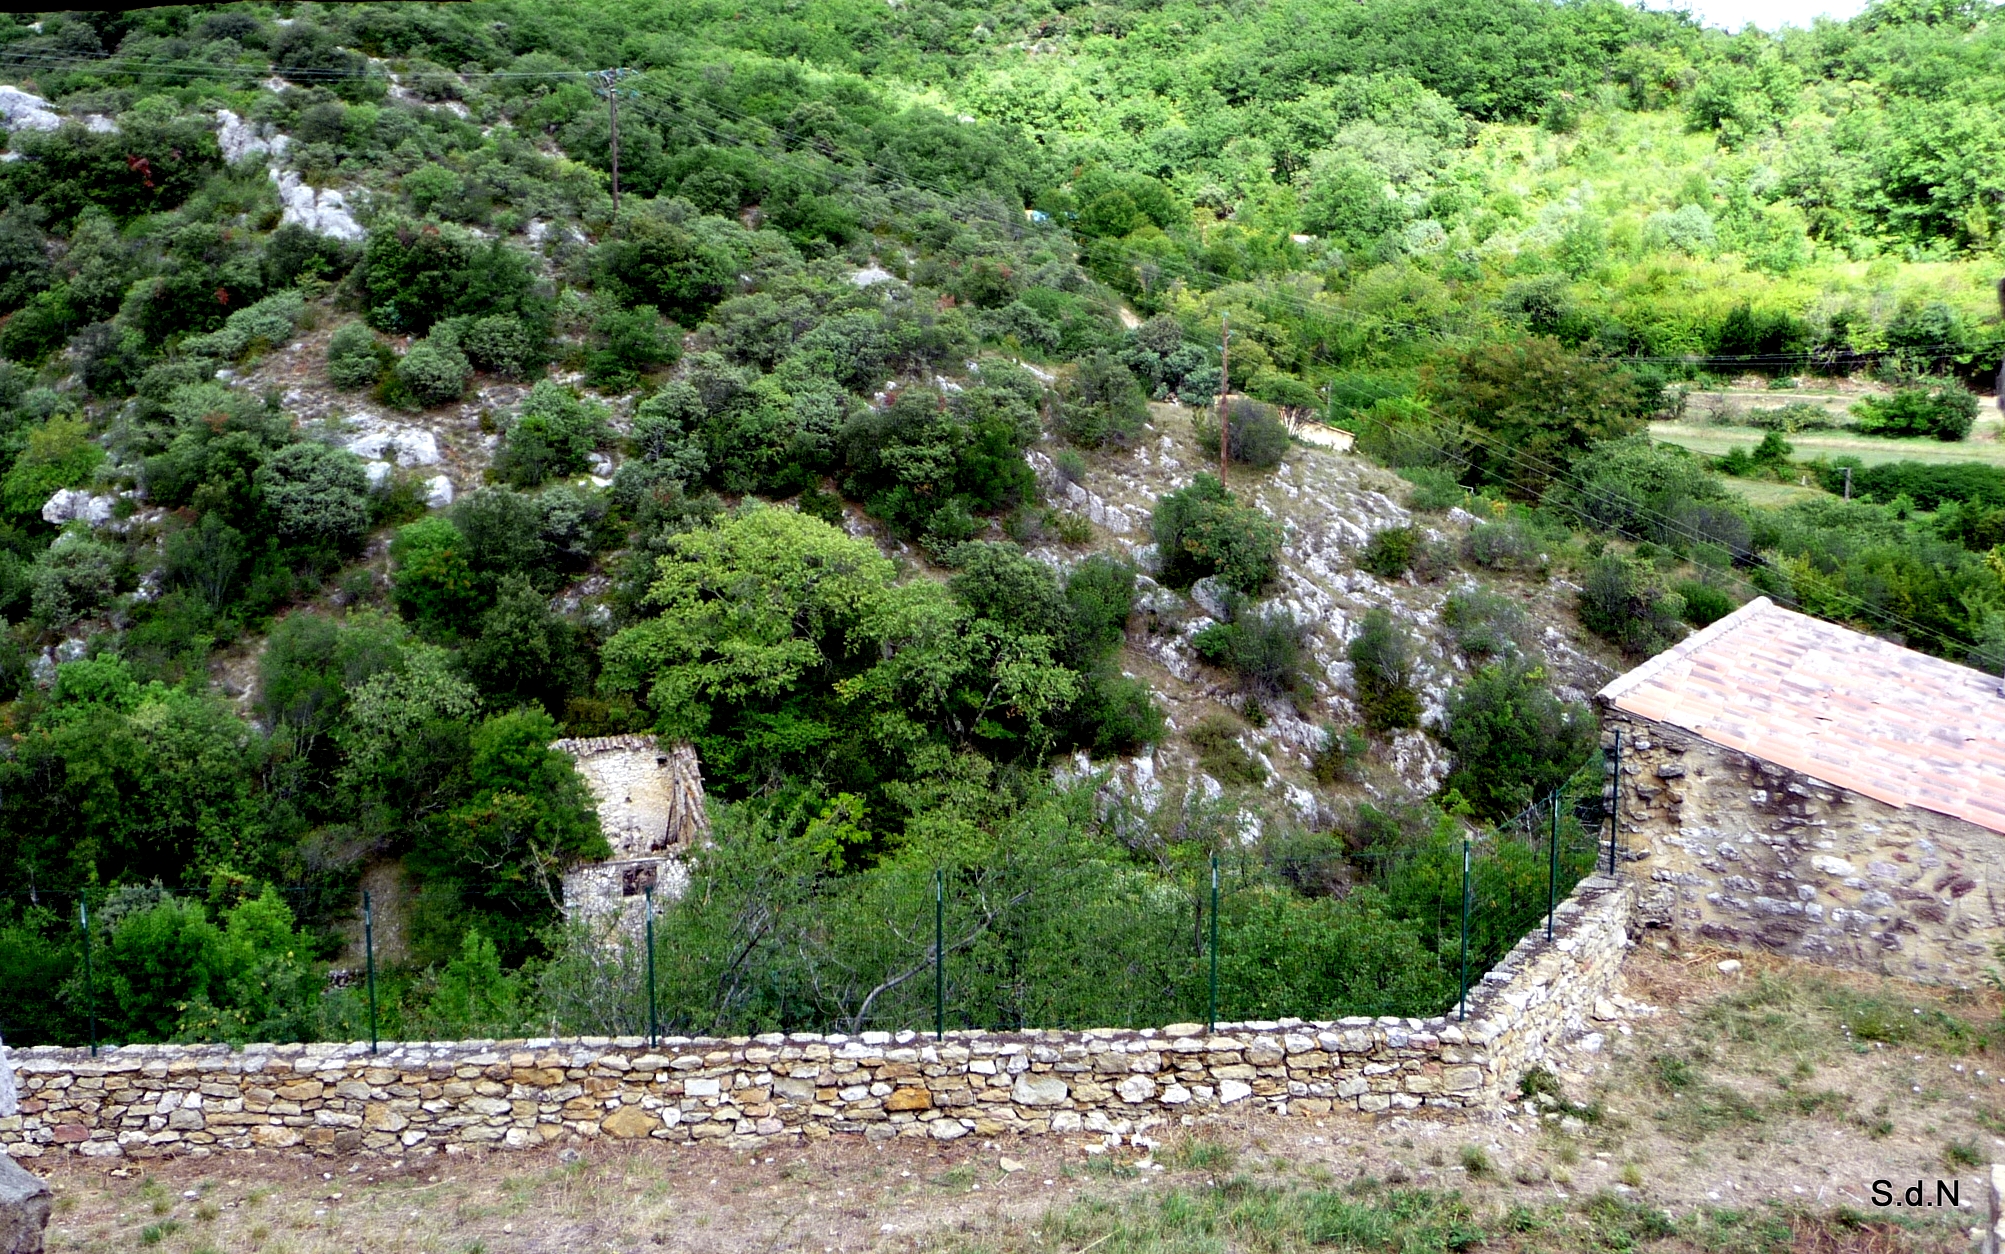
(1748, 854)
(1110, 1084)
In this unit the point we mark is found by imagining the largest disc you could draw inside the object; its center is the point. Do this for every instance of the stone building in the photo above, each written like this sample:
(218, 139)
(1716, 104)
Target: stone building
(650, 803)
(1792, 785)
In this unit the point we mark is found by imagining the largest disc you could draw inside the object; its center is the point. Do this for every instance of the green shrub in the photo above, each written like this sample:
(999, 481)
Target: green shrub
(627, 343)
(319, 495)
(1513, 740)
(552, 436)
(355, 360)
(1100, 593)
(498, 344)
(1340, 756)
(1215, 737)
(1102, 404)
(1485, 624)
(1381, 657)
(1944, 410)
(1115, 714)
(1264, 651)
(1200, 531)
(1257, 436)
(269, 323)
(73, 578)
(1389, 552)
(431, 578)
(1434, 490)
(1704, 604)
(59, 454)
(1624, 602)
(434, 372)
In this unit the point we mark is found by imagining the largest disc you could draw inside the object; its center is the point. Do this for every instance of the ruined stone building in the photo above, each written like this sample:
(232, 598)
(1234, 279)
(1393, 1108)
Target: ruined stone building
(650, 803)
(1792, 785)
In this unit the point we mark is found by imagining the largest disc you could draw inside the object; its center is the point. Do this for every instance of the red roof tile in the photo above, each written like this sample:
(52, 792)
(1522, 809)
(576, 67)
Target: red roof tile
(1847, 708)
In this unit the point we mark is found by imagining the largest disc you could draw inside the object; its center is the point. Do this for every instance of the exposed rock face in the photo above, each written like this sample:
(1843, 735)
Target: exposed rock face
(148, 1101)
(23, 111)
(323, 211)
(1744, 852)
(650, 803)
(24, 1209)
(76, 505)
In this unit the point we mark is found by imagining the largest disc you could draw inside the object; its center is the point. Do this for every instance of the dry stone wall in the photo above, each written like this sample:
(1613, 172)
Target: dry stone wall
(145, 1101)
(1746, 853)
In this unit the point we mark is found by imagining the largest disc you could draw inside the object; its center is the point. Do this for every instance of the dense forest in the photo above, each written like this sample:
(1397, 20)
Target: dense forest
(744, 448)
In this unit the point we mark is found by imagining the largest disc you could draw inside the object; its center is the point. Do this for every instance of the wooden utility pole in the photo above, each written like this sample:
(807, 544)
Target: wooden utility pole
(1224, 389)
(611, 80)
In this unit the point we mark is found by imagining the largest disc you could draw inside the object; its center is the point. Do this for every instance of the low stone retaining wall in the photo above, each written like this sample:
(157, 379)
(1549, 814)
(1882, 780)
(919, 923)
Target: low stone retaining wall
(148, 1100)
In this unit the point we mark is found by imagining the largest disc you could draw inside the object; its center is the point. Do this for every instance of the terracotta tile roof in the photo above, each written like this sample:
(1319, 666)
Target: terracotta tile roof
(1843, 707)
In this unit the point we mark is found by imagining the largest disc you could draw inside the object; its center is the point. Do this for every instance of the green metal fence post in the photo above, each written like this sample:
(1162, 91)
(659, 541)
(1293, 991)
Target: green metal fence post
(1552, 871)
(1615, 803)
(369, 957)
(939, 954)
(1464, 1014)
(90, 982)
(1212, 1012)
(653, 1017)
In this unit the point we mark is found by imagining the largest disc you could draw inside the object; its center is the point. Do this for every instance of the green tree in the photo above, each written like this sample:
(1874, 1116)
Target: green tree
(1200, 531)
(1513, 740)
(1535, 407)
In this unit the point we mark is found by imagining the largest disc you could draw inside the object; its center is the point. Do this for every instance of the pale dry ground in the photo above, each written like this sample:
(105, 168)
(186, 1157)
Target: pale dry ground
(1766, 1099)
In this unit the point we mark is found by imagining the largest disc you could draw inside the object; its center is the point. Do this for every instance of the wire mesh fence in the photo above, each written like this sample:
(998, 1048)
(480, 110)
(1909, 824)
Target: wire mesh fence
(1380, 920)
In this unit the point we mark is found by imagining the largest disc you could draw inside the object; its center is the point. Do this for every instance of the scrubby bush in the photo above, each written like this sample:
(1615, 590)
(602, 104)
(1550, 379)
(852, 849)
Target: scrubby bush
(434, 371)
(1256, 435)
(1389, 552)
(1704, 604)
(665, 433)
(1381, 657)
(1100, 595)
(1101, 404)
(1513, 740)
(73, 578)
(552, 436)
(268, 323)
(627, 343)
(1200, 531)
(355, 359)
(1340, 756)
(1264, 651)
(1115, 714)
(1623, 601)
(498, 344)
(1434, 490)
(1944, 411)
(319, 495)
(1485, 624)
(1215, 738)
(432, 580)
(59, 454)
(1507, 544)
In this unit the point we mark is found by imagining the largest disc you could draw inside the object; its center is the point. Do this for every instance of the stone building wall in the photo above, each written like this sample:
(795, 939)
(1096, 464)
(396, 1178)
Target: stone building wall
(1749, 854)
(150, 1100)
(650, 804)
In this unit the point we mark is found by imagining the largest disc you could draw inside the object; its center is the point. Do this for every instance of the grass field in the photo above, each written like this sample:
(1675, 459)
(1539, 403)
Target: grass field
(1982, 446)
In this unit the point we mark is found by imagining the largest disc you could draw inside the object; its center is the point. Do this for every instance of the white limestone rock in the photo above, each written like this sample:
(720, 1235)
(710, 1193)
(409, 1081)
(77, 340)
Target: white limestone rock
(23, 111)
(438, 492)
(378, 439)
(323, 211)
(77, 505)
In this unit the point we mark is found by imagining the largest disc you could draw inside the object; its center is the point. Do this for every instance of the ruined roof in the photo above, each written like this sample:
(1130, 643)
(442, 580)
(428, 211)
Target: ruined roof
(1834, 704)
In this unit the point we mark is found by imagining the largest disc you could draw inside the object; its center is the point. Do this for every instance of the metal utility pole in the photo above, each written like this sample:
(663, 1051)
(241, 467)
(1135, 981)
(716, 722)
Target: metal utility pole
(90, 983)
(1848, 483)
(1212, 1021)
(939, 954)
(1464, 1014)
(369, 956)
(1552, 869)
(653, 1017)
(1224, 387)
